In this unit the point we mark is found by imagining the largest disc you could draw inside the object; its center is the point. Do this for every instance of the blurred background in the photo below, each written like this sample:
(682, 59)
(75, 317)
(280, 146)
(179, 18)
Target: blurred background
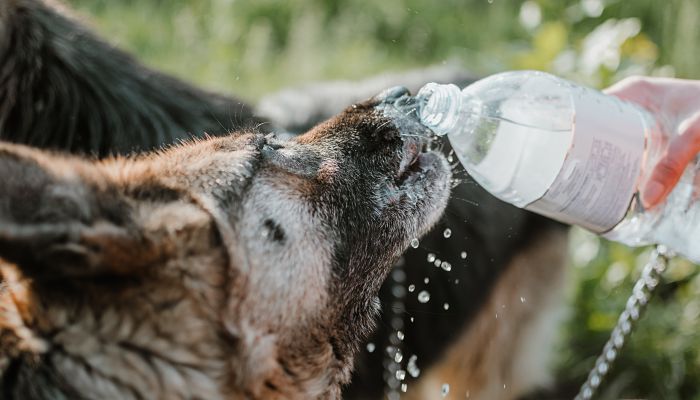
(254, 47)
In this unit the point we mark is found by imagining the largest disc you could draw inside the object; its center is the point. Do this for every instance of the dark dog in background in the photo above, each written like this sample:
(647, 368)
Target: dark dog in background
(62, 88)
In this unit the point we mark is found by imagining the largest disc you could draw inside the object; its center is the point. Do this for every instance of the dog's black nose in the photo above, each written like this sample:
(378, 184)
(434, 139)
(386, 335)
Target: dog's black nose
(400, 99)
(391, 95)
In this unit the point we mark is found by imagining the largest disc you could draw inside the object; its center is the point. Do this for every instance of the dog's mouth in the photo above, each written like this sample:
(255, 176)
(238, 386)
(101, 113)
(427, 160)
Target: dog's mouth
(417, 160)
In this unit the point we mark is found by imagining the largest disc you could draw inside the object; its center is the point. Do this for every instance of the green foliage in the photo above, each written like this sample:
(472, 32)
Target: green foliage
(662, 359)
(251, 47)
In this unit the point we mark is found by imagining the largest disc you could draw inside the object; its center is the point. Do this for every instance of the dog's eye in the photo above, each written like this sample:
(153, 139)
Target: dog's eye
(274, 231)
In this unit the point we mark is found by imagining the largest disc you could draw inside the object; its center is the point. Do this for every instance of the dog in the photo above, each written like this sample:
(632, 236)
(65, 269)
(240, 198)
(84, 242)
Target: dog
(485, 331)
(174, 276)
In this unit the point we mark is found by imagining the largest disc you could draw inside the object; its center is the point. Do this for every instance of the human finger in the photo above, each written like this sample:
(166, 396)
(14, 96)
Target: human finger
(666, 173)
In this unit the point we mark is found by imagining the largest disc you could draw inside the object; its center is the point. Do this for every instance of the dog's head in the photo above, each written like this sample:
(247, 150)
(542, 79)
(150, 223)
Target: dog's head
(238, 266)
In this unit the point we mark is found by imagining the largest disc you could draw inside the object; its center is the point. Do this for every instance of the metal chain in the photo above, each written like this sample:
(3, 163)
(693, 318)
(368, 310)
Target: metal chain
(636, 304)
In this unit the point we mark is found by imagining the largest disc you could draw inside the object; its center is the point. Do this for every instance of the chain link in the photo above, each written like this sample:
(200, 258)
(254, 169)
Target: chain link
(636, 304)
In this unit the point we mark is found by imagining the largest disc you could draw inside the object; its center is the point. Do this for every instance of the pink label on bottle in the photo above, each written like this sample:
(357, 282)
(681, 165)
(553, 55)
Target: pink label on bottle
(599, 176)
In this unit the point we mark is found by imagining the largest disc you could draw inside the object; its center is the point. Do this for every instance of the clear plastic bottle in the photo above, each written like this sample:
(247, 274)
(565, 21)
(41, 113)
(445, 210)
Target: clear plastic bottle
(568, 152)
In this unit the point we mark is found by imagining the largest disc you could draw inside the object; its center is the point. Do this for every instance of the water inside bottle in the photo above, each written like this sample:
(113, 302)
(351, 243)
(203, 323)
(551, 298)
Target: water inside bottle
(507, 137)
(514, 168)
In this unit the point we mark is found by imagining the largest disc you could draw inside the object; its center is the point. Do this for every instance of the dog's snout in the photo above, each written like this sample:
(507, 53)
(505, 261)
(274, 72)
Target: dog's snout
(393, 94)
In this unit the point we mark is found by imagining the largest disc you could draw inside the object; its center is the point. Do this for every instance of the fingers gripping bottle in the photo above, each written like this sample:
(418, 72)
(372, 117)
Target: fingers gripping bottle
(567, 152)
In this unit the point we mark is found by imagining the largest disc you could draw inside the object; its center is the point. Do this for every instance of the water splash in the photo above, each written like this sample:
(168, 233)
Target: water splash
(446, 266)
(423, 296)
(412, 367)
(445, 389)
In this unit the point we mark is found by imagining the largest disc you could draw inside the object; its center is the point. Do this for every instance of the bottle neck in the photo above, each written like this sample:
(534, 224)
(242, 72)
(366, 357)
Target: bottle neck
(443, 108)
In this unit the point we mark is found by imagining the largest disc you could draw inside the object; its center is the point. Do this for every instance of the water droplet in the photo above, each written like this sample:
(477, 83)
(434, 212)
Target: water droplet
(370, 347)
(431, 257)
(446, 266)
(426, 280)
(447, 233)
(411, 319)
(463, 255)
(437, 262)
(522, 299)
(445, 389)
(399, 335)
(446, 306)
(412, 287)
(415, 243)
(423, 296)
(404, 387)
(400, 374)
(412, 368)
(398, 357)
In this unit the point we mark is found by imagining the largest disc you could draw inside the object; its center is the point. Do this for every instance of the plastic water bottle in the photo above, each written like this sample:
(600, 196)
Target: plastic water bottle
(567, 152)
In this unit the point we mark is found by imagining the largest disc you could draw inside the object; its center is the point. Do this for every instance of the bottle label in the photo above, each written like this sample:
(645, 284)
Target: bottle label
(599, 177)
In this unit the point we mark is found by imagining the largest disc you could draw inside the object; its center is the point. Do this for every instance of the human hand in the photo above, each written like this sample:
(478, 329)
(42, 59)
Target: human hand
(678, 100)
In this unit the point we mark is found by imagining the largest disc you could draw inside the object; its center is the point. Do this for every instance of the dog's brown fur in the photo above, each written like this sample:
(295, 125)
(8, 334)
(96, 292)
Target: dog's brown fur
(176, 275)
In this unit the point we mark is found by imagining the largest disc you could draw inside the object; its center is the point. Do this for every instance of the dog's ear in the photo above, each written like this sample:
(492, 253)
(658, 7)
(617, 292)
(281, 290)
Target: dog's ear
(60, 217)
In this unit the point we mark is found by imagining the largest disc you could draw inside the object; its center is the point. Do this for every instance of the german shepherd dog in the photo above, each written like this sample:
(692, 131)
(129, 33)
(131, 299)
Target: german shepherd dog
(236, 264)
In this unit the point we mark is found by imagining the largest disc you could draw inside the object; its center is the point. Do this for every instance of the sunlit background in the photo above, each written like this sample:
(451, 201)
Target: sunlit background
(254, 47)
